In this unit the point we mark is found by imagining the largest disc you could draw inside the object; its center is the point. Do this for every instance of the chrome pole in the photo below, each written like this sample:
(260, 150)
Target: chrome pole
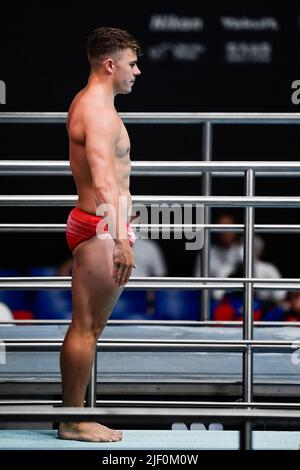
(206, 191)
(161, 118)
(91, 392)
(246, 433)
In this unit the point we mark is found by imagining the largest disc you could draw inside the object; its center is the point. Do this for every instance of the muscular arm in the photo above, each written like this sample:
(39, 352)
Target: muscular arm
(102, 130)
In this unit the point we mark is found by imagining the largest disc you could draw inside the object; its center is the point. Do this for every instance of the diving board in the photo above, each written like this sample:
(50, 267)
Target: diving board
(151, 440)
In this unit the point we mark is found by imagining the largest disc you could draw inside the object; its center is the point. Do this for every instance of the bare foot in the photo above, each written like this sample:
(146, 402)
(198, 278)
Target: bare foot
(93, 432)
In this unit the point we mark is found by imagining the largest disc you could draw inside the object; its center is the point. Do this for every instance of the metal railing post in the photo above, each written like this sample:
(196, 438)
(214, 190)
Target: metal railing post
(246, 433)
(206, 191)
(91, 392)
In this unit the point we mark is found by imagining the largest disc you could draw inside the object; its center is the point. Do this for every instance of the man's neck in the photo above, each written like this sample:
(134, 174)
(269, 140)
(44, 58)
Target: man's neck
(102, 87)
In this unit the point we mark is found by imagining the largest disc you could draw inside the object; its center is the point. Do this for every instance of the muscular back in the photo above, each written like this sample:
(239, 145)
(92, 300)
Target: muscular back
(82, 106)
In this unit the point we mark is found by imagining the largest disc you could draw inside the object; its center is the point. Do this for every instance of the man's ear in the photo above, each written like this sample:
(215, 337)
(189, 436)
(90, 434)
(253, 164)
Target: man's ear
(109, 65)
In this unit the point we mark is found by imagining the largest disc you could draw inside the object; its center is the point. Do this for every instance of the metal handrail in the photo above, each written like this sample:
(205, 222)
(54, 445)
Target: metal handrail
(166, 403)
(160, 118)
(64, 282)
(150, 168)
(107, 343)
(42, 413)
(194, 323)
(153, 168)
(166, 341)
(140, 347)
(213, 201)
(259, 228)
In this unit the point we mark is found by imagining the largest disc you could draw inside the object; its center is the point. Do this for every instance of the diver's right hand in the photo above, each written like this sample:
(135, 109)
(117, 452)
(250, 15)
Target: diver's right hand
(123, 262)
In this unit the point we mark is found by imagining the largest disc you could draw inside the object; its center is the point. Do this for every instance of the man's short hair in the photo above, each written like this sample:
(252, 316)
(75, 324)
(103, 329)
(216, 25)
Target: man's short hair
(104, 41)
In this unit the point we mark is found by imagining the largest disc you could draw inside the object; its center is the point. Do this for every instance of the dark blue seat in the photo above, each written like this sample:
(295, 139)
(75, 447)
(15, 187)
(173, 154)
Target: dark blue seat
(132, 305)
(50, 304)
(177, 305)
(14, 299)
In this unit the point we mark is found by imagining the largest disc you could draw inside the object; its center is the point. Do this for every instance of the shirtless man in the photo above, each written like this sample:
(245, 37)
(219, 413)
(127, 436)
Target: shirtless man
(102, 265)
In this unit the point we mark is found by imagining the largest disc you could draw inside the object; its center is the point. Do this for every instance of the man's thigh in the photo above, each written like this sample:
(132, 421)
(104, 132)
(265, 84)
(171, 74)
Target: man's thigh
(93, 288)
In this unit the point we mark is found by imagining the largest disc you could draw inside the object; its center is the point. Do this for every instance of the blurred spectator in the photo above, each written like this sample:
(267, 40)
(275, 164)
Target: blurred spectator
(265, 270)
(225, 254)
(149, 259)
(287, 310)
(292, 307)
(231, 306)
(262, 270)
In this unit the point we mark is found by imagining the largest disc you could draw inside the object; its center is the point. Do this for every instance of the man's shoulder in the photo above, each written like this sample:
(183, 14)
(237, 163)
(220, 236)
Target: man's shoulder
(86, 105)
(94, 116)
(103, 114)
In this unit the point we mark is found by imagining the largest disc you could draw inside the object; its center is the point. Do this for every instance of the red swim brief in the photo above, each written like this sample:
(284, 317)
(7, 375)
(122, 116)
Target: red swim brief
(82, 226)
